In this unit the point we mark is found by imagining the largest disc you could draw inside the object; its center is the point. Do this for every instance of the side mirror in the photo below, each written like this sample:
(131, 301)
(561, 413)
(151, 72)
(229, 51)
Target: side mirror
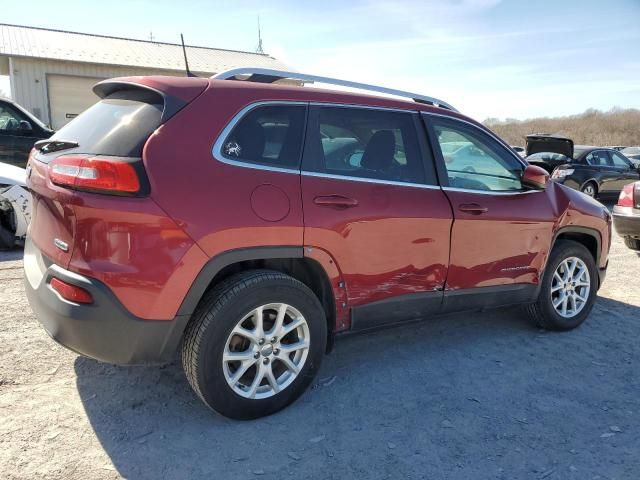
(25, 127)
(535, 177)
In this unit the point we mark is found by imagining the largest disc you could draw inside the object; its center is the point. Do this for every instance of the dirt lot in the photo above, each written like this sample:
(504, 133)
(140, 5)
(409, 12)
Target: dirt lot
(463, 397)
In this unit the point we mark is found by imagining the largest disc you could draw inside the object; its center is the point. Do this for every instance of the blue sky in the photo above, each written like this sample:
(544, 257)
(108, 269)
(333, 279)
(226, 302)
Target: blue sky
(489, 58)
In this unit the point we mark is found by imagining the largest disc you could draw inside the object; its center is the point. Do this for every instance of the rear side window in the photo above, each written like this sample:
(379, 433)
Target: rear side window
(118, 125)
(598, 158)
(364, 143)
(619, 161)
(269, 135)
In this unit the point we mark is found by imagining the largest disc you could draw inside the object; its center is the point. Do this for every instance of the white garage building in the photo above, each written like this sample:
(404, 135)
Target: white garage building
(52, 72)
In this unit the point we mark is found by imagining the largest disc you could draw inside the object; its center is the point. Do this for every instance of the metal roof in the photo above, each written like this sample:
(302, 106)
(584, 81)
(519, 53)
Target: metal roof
(21, 41)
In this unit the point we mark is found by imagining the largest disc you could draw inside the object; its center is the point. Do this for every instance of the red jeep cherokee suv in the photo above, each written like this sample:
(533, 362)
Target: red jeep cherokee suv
(246, 223)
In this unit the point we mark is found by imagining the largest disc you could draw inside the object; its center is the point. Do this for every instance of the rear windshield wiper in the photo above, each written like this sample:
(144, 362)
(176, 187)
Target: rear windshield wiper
(48, 145)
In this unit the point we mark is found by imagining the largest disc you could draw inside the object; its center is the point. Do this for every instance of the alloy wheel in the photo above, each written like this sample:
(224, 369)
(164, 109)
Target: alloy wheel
(570, 287)
(266, 351)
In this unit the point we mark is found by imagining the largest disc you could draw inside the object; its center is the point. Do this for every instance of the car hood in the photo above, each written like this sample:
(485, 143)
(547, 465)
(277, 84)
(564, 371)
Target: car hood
(12, 175)
(549, 143)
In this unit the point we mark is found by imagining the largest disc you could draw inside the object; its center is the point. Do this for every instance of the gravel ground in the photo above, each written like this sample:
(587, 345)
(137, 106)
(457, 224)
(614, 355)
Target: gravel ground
(469, 396)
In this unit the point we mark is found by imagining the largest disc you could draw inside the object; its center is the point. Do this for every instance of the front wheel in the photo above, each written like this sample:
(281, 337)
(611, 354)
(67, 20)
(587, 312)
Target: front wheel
(568, 288)
(254, 344)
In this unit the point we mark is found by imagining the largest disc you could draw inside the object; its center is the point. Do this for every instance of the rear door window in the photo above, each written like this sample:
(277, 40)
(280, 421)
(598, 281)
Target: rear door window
(619, 161)
(269, 135)
(364, 143)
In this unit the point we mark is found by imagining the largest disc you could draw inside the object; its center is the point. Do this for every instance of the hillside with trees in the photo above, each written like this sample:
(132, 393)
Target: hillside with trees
(593, 127)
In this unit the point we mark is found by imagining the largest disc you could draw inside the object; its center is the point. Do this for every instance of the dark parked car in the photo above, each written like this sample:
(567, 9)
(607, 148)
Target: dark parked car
(626, 215)
(548, 151)
(597, 171)
(183, 228)
(19, 130)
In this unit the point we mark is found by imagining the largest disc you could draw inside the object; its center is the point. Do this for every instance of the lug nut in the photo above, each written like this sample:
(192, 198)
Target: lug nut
(261, 341)
(266, 361)
(256, 355)
(274, 340)
(276, 351)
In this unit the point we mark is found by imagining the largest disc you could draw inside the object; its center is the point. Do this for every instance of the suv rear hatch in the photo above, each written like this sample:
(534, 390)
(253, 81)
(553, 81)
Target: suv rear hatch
(105, 140)
(544, 142)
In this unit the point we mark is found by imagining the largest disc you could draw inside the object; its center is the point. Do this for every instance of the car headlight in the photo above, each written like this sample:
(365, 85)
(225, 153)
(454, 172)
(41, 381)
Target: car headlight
(560, 173)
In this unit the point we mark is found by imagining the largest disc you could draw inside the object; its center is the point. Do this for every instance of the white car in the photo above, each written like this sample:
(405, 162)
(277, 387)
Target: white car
(15, 205)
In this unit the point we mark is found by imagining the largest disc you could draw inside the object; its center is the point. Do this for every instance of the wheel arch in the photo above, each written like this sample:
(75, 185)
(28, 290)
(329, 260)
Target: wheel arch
(591, 180)
(289, 260)
(588, 237)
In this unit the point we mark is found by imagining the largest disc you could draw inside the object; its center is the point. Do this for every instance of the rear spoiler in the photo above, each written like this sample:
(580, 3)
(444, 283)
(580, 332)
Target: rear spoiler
(173, 93)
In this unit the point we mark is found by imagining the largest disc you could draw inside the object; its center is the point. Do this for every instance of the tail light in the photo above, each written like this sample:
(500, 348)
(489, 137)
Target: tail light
(562, 172)
(71, 292)
(626, 198)
(117, 176)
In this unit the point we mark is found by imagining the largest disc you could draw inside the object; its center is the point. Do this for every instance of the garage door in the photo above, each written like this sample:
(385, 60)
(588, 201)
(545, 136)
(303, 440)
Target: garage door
(68, 97)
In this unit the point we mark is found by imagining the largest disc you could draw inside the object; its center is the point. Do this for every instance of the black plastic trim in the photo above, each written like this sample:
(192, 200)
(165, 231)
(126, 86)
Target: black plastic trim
(395, 310)
(481, 298)
(415, 306)
(104, 330)
(583, 230)
(217, 263)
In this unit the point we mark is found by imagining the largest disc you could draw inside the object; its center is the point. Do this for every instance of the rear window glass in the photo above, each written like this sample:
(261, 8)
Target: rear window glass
(118, 125)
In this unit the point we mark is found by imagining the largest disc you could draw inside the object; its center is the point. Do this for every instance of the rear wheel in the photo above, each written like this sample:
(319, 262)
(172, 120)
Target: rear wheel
(568, 288)
(590, 189)
(632, 243)
(255, 343)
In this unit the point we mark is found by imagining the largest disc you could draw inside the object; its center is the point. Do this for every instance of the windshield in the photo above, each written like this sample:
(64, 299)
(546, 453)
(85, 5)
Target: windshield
(631, 151)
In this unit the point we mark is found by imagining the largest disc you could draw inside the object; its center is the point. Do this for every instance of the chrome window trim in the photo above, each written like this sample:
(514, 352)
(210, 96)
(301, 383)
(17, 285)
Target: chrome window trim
(486, 132)
(216, 150)
(348, 178)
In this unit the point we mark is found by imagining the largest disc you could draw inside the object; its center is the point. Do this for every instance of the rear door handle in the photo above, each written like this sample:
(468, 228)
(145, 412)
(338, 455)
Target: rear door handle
(472, 208)
(335, 201)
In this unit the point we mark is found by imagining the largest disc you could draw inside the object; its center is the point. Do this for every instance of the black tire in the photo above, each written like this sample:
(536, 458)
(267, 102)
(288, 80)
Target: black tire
(632, 243)
(214, 319)
(542, 311)
(589, 187)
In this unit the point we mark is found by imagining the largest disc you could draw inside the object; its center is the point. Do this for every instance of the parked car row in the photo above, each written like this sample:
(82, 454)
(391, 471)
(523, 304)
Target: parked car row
(595, 171)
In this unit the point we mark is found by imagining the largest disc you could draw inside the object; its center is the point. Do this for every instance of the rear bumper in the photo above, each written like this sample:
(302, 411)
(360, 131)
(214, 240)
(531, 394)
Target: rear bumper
(626, 221)
(103, 330)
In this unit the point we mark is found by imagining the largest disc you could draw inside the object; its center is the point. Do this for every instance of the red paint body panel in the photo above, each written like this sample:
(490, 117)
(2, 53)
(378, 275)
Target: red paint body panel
(211, 200)
(396, 241)
(507, 244)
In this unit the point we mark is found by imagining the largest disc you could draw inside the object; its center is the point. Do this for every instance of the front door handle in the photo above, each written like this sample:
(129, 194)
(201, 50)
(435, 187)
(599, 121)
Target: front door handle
(335, 201)
(472, 208)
